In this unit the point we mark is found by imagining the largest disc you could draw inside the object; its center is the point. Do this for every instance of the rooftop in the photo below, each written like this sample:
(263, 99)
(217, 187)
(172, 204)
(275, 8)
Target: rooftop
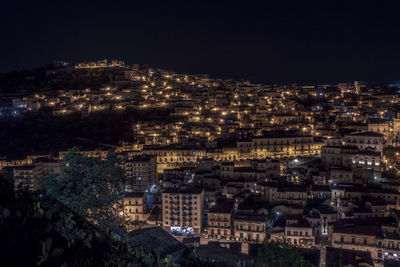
(157, 241)
(368, 134)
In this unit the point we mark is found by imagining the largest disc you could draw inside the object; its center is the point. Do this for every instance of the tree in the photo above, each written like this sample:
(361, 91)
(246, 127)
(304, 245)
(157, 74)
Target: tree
(40, 231)
(91, 187)
(273, 254)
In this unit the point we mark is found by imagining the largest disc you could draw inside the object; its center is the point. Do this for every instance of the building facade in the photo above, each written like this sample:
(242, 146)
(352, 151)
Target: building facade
(182, 210)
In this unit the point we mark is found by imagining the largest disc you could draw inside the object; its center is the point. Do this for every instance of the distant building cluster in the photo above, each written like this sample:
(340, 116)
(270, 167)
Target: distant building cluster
(314, 166)
(100, 64)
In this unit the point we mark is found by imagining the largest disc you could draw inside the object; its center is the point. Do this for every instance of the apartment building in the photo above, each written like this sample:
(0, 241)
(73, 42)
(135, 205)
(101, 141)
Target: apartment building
(351, 157)
(28, 176)
(381, 243)
(350, 193)
(295, 233)
(379, 126)
(135, 206)
(141, 173)
(182, 210)
(366, 140)
(284, 144)
(300, 235)
(292, 195)
(169, 157)
(220, 220)
(250, 228)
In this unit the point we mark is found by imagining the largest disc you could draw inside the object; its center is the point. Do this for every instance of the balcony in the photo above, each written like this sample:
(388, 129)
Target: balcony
(250, 230)
(219, 227)
(339, 243)
(135, 204)
(293, 235)
(217, 220)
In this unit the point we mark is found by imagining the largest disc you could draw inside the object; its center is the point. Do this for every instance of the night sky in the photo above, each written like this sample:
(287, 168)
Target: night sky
(264, 41)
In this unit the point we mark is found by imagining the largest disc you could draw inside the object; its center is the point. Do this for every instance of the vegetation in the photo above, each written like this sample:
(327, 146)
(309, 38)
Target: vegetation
(41, 231)
(391, 151)
(44, 132)
(90, 187)
(56, 230)
(392, 155)
(273, 254)
(47, 78)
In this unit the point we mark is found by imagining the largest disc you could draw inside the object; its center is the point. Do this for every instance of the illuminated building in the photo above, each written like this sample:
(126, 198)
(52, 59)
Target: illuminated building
(220, 220)
(250, 228)
(135, 206)
(27, 176)
(182, 210)
(141, 173)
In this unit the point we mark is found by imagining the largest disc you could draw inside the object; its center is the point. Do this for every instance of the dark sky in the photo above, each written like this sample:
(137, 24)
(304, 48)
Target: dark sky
(264, 41)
